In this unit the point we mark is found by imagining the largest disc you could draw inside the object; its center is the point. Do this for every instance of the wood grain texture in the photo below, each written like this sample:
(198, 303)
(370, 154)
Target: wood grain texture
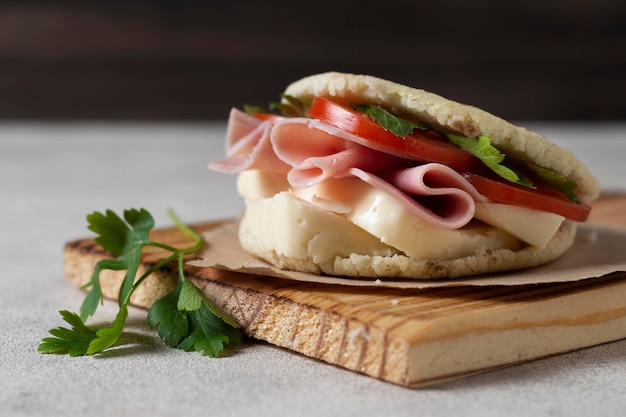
(407, 337)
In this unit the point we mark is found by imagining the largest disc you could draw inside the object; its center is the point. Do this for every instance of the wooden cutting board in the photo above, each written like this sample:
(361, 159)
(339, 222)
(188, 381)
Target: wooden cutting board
(407, 337)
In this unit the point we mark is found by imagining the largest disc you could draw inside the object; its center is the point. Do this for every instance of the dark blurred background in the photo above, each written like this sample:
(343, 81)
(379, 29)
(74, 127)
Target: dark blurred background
(193, 60)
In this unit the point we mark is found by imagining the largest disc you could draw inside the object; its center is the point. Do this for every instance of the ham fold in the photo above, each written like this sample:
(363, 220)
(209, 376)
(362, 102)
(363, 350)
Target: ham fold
(309, 151)
(248, 146)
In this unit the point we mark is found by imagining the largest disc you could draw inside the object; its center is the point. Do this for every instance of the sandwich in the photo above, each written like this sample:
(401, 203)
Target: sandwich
(356, 176)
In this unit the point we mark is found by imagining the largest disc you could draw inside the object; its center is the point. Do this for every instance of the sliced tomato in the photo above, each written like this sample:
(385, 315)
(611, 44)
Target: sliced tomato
(430, 146)
(544, 198)
(426, 146)
(268, 116)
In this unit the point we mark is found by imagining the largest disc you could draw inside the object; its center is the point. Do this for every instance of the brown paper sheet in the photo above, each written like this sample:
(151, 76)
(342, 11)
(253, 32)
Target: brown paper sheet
(597, 251)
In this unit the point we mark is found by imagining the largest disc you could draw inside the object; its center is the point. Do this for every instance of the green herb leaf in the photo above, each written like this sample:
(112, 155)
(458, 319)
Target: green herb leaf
(291, 106)
(172, 323)
(125, 240)
(74, 341)
(394, 124)
(195, 299)
(94, 296)
(111, 231)
(179, 315)
(252, 109)
(563, 185)
(207, 333)
(482, 148)
(108, 336)
(189, 321)
(190, 298)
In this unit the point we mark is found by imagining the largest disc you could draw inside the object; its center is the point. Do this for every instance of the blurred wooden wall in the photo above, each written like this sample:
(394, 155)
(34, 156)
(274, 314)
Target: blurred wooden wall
(193, 60)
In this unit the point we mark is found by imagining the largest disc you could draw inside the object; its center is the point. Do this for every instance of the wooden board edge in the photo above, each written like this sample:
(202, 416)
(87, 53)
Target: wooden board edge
(350, 343)
(546, 327)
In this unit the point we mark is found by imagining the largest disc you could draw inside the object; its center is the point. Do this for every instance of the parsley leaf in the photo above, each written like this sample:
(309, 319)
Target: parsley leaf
(564, 185)
(482, 148)
(122, 240)
(289, 106)
(253, 109)
(205, 335)
(185, 314)
(187, 319)
(394, 124)
(172, 323)
(108, 336)
(74, 341)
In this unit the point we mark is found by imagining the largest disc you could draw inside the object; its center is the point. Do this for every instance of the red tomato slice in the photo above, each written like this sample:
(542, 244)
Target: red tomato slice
(267, 116)
(430, 146)
(544, 199)
(426, 146)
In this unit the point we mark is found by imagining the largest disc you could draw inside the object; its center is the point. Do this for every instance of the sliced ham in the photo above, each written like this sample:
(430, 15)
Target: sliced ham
(433, 192)
(248, 146)
(316, 154)
(310, 152)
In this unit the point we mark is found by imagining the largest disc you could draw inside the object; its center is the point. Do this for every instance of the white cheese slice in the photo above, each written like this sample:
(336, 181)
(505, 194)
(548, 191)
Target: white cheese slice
(297, 229)
(394, 224)
(255, 184)
(532, 226)
(372, 210)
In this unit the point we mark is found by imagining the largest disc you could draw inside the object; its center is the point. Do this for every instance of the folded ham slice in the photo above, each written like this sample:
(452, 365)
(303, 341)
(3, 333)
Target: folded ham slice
(248, 146)
(309, 152)
(317, 151)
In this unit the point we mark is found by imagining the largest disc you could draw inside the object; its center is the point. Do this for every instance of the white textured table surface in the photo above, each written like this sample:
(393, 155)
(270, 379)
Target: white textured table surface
(51, 176)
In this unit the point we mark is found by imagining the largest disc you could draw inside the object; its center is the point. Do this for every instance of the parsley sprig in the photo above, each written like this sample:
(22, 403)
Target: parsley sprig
(185, 317)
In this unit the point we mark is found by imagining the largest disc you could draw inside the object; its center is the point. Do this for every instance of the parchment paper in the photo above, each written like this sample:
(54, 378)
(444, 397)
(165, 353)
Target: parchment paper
(596, 252)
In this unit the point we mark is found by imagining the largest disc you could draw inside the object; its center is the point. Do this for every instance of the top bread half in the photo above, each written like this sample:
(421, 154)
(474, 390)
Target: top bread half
(514, 141)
